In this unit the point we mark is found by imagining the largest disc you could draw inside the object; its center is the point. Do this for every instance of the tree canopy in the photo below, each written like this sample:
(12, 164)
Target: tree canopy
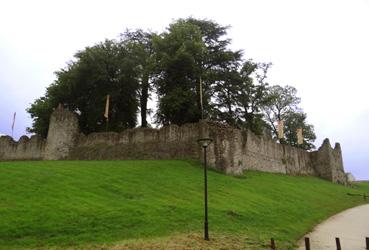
(104, 69)
(190, 69)
(282, 105)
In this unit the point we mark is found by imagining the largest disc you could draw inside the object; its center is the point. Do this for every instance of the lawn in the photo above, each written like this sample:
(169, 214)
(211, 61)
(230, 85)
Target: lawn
(143, 204)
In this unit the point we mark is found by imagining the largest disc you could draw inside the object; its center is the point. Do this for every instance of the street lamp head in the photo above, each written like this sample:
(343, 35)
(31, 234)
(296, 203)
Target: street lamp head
(204, 142)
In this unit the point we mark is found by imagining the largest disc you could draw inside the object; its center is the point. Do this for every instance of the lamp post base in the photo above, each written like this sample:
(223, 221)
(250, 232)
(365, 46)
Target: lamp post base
(206, 231)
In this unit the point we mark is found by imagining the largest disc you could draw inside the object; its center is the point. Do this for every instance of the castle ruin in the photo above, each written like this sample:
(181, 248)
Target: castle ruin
(233, 150)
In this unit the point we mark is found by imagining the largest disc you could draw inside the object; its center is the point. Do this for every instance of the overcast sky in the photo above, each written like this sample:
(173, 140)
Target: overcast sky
(319, 46)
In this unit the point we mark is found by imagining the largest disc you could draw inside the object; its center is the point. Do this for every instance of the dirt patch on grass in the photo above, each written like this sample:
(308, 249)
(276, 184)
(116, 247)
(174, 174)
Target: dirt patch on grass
(189, 241)
(192, 241)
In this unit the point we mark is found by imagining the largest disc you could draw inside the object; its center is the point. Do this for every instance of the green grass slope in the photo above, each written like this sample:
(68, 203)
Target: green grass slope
(92, 203)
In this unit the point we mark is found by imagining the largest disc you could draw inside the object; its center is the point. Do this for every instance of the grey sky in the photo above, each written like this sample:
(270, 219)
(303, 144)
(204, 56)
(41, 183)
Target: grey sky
(319, 46)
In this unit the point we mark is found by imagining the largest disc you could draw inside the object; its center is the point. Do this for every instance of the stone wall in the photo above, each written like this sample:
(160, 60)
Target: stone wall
(171, 142)
(233, 150)
(328, 156)
(237, 150)
(62, 134)
(25, 149)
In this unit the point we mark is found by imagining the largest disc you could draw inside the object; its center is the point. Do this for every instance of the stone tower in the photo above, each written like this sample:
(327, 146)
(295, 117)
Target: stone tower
(328, 163)
(62, 134)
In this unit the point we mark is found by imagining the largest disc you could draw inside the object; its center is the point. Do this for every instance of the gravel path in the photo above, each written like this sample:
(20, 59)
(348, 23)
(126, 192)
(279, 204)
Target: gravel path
(351, 226)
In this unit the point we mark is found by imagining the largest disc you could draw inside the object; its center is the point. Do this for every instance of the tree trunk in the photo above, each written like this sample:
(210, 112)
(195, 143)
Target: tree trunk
(198, 99)
(143, 100)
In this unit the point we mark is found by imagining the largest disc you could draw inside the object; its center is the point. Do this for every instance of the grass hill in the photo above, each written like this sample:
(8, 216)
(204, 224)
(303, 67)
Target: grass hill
(158, 204)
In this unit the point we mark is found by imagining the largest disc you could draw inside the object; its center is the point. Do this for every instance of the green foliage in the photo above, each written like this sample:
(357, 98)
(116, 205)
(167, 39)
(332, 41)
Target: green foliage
(226, 96)
(190, 52)
(283, 105)
(281, 101)
(82, 87)
(40, 112)
(138, 44)
(173, 64)
(253, 96)
(81, 203)
(178, 52)
(239, 98)
(293, 121)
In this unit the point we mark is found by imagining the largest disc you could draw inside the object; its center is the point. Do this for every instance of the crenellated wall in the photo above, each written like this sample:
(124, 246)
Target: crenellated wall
(25, 149)
(233, 150)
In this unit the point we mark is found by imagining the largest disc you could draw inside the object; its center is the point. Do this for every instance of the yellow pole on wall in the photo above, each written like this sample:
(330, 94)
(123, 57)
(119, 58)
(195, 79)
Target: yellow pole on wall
(280, 129)
(300, 138)
(106, 114)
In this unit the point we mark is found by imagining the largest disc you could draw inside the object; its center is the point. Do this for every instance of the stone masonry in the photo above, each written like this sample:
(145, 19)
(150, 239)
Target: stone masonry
(62, 134)
(233, 150)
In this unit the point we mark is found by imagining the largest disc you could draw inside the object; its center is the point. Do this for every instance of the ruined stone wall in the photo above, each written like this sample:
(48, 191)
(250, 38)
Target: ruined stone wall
(25, 149)
(263, 153)
(170, 142)
(328, 162)
(233, 150)
(62, 134)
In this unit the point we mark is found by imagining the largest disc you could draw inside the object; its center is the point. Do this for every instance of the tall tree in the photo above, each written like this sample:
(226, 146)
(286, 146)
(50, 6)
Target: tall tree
(281, 101)
(241, 93)
(40, 112)
(283, 105)
(226, 92)
(138, 44)
(253, 95)
(83, 85)
(190, 52)
(218, 63)
(293, 121)
(177, 54)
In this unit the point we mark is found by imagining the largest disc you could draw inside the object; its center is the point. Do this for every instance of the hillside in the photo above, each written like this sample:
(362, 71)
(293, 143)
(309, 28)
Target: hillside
(153, 204)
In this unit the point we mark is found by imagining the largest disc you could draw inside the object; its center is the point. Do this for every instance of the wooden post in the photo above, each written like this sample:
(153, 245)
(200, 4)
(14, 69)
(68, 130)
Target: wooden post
(338, 243)
(367, 242)
(307, 243)
(272, 244)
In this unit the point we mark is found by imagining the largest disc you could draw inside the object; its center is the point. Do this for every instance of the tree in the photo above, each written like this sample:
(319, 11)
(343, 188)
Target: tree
(293, 121)
(281, 100)
(241, 94)
(40, 112)
(218, 63)
(192, 51)
(177, 52)
(283, 105)
(226, 92)
(253, 95)
(104, 69)
(138, 43)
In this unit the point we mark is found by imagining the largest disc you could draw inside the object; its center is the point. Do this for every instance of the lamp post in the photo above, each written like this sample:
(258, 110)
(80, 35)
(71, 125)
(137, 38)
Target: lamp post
(204, 143)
